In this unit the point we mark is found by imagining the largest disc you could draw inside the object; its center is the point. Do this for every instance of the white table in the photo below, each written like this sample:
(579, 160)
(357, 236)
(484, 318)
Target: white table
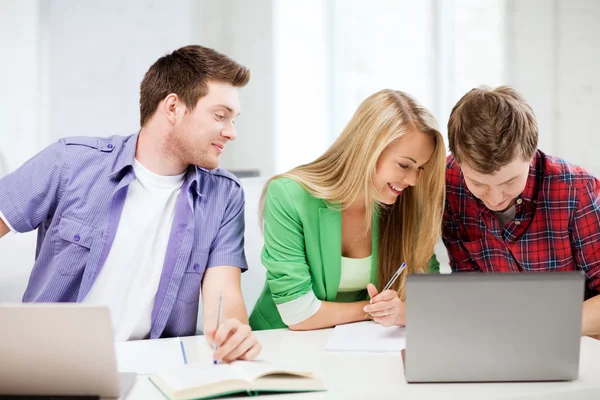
(381, 376)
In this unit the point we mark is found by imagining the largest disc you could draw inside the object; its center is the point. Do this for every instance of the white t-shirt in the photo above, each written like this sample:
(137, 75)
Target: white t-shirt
(129, 279)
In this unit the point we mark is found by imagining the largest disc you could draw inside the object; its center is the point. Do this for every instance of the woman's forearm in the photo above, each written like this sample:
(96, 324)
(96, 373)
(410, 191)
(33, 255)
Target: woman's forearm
(332, 314)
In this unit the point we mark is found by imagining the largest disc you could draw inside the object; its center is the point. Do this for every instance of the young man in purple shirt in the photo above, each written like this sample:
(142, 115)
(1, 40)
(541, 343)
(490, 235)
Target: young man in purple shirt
(142, 223)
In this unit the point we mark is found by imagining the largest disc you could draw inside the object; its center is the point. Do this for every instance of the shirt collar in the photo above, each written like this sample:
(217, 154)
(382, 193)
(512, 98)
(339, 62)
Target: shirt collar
(536, 169)
(192, 178)
(125, 157)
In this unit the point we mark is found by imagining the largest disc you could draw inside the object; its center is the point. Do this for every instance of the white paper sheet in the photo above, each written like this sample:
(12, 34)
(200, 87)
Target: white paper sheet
(368, 337)
(146, 357)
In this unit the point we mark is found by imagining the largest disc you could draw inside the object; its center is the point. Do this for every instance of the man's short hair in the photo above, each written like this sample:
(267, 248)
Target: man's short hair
(186, 72)
(490, 128)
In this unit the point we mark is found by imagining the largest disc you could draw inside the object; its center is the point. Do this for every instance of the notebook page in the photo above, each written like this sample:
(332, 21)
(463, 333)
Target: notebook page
(252, 370)
(200, 374)
(366, 336)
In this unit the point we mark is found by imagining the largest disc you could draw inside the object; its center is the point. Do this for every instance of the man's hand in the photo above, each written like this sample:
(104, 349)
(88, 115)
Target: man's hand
(235, 340)
(233, 335)
(590, 323)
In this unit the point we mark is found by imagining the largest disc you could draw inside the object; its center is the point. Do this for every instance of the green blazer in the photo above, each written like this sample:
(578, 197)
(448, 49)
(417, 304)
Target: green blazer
(302, 251)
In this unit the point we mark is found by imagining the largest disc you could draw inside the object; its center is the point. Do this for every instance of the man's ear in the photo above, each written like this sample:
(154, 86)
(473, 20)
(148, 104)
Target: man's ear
(173, 108)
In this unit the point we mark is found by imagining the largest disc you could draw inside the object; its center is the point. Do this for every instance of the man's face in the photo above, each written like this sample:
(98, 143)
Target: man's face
(201, 135)
(498, 191)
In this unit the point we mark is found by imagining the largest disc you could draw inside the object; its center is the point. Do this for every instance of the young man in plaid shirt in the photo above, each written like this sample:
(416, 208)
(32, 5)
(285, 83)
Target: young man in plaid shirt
(509, 206)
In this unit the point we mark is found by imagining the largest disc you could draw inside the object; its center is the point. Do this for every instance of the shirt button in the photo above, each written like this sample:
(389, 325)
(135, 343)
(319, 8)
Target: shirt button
(519, 201)
(517, 222)
(76, 238)
(196, 267)
(109, 146)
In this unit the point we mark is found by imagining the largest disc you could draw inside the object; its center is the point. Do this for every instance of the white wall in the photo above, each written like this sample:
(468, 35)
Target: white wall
(97, 54)
(302, 105)
(19, 82)
(435, 50)
(244, 31)
(19, 125)
(478, 48)
(381, 44)
(553, 57)
(578, 94)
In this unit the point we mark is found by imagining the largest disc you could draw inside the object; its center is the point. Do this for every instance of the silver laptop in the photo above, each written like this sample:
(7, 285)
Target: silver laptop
(475, 327)
(60, 350)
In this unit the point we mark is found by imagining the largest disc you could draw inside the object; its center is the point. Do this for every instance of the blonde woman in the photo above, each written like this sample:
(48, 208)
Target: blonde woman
(338, 228)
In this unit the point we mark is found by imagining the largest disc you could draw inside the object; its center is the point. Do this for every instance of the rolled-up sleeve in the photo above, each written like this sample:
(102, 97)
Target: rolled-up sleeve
(284, 253)
(29, 195)
(227, 248)
(300, 309)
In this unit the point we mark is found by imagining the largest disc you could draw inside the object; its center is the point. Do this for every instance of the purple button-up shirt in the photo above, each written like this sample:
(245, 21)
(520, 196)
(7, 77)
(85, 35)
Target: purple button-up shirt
(73, 192)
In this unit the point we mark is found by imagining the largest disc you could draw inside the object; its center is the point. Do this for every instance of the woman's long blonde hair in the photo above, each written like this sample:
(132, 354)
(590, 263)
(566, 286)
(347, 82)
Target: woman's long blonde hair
(408, 229)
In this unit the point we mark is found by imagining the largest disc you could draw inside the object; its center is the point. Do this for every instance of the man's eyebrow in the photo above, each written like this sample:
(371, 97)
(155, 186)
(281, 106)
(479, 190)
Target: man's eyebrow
(511, 179)
(231, 110)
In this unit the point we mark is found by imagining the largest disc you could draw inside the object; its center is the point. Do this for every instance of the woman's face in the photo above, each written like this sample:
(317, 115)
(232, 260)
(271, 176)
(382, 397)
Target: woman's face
(401, 163)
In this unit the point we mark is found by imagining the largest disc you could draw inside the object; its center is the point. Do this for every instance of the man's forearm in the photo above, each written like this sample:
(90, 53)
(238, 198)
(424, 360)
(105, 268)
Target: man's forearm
(590, 325)
(3, 228)
(332, 314)
(232, 307)
(236, 309)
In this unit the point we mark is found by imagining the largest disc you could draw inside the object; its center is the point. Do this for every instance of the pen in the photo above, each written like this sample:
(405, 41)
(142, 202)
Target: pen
(392, 280)
(394, 277)
(183, 351)
(218, 322)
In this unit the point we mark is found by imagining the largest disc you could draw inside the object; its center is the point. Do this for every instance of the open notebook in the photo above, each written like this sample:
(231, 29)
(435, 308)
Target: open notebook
(202, 381)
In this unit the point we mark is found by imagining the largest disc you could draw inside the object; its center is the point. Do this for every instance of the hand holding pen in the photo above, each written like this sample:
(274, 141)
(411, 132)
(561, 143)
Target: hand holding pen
(386, 308)
(231, 339)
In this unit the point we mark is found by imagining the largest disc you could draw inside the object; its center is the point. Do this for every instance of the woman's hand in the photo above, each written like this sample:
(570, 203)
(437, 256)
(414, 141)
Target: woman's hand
(386, 308)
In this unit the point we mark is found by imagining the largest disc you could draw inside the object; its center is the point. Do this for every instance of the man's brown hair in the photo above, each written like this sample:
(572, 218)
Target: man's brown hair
(490, 128)
(186, 72)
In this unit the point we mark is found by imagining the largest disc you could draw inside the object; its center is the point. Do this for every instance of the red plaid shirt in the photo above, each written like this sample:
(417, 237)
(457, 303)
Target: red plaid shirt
(556, 226)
